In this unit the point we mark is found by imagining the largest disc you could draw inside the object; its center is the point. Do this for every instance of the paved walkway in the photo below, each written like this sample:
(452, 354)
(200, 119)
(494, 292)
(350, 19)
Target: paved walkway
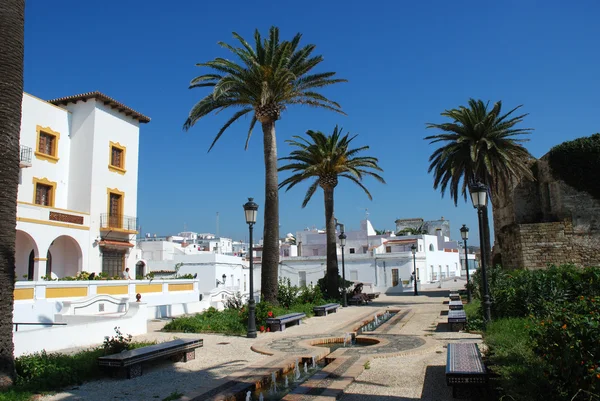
(408, 364)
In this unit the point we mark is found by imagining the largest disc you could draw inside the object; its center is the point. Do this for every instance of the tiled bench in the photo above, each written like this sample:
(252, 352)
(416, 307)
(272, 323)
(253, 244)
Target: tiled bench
(464, 366)
(323, 310)
(279, 323)
(130, 362)
(457, 318)
(373, 295)
(455, 305)
(454, 296)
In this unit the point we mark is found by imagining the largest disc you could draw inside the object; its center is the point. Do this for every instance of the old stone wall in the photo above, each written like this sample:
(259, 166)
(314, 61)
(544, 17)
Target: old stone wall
(544, 222)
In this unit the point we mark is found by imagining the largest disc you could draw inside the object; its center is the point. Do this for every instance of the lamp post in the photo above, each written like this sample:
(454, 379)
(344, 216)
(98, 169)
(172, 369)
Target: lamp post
(479, 194)
(464, 233)
(342, 238)
(413, 248)
(250, 209)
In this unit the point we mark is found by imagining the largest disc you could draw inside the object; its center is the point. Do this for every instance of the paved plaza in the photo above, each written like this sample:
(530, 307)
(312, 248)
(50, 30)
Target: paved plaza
(407, 364)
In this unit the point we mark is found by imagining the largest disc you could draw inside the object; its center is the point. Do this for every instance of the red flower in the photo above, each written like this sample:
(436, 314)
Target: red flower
(268, 329)
(262, 329)
(270, 314)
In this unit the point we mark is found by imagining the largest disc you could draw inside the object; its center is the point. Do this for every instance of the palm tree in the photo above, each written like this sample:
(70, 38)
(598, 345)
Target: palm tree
(479, 145)
(327, 158)
(270, 77)
(12, 14)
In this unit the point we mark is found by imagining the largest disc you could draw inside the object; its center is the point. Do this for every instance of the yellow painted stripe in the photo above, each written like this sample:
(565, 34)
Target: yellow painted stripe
(113, 290)
(23, 293)
(66, 292)
(142, 288)
(181, 287)
(51, 223)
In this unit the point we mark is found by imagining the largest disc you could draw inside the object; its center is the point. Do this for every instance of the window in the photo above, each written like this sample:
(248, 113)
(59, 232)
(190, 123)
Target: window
(47, 144)
(388, 249)
(431, 248)
(117, 158)
(115, 208)
(43, 192)
(352, 250)
(113, 262)
(302, 278)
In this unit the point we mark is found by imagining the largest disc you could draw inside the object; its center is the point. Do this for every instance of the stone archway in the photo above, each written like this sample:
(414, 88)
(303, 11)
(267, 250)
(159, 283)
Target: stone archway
(24, 246)
(66, 256)
(140, 268)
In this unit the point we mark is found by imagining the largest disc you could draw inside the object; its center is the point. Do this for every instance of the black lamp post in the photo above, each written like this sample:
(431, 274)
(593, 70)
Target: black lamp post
(464, 233)
(250, 209)
(413, 248)
(479, 194)
(342, 238)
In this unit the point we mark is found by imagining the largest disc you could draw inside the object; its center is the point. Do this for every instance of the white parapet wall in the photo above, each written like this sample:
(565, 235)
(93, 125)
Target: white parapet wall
(81, 332)
(40, 301)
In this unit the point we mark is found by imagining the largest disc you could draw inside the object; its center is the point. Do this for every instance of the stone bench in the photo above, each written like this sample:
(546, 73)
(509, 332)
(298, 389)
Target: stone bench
(464, 366)
(373, 295)
(457, 318)
(455, 305)
(358, 299)
(279, 323)
(454, 296)
(323, 310)
(130, 362)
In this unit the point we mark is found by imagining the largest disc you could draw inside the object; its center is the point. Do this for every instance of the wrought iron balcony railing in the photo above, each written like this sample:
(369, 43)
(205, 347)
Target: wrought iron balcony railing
(25, 160)
(118, 222)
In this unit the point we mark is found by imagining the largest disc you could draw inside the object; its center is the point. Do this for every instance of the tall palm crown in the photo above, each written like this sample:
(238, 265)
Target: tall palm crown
(326, 159)
(478, 145)
(271, 76)
(265, 80)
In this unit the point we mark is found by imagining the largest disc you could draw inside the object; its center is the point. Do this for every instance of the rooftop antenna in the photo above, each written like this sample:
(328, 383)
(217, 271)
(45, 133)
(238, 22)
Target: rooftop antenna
(217, 224)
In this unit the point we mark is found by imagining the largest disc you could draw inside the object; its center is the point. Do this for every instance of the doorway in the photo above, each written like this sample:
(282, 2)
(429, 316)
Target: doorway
(394, 277)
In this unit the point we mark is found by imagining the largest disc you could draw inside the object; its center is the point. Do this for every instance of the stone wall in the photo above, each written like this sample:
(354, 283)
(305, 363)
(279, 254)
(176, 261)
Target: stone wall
(543, 222)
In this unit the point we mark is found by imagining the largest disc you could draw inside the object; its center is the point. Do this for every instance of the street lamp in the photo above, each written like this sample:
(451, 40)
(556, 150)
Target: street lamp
(342, 238)
(250, 209)
(479, 197)
(413, 248)
(464, 233)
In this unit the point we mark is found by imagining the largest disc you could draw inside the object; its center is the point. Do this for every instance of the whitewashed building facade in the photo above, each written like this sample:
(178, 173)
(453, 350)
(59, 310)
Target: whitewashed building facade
(385, 261)
(77, 196)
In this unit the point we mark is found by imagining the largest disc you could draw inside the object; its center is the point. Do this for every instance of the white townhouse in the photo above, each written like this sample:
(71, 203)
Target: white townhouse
(77, 197)
(385, 261)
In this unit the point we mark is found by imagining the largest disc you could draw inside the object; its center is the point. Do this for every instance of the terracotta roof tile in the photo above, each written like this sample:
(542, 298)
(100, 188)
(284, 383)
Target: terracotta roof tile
(109, 101)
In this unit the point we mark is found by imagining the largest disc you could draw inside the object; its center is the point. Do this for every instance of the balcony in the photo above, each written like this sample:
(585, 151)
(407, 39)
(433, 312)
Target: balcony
(118, 222)
(25, 160)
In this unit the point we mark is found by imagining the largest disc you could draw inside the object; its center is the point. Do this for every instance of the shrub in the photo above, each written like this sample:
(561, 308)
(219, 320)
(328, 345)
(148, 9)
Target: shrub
(228, 321)
(311, 295)
(322, 284)
(568, 341)
(234, 302)
(117, 343)
(286, 293)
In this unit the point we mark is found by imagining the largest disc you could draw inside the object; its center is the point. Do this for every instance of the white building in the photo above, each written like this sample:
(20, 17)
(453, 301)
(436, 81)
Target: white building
(386, 261)
(77, 196)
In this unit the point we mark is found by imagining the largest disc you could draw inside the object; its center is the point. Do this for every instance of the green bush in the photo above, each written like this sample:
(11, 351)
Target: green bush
(474, 316)
(286, 292)
(568, 340)
(322, 284)
(228, 321)
(576, 163)
(15, 395)
(510, 355)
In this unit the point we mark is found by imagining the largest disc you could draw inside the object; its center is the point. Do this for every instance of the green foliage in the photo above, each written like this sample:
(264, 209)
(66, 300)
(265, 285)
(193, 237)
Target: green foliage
(286, 292)
(42, 371)
(326, 158)
(510, 355)
(175, 395)
(474, 316)
(322, 285)
(228, 321)
(479, 144)
(15, 394)
(311, 294)
(568, 339)
(576, 162)
(235, 302)
(117, 343)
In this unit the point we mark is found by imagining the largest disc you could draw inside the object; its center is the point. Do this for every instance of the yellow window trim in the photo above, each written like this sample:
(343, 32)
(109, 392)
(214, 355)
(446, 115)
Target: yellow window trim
(40, 259)
(117, 169)
(116, 192)
(44, 181)
(52, 207)
(52, 223)
(53, 158)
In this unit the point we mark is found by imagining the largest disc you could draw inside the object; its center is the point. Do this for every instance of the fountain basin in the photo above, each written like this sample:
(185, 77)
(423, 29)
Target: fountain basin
(336, 343)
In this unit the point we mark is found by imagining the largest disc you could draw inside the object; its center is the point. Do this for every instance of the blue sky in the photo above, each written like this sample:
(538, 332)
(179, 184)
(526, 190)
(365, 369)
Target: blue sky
(405, 61)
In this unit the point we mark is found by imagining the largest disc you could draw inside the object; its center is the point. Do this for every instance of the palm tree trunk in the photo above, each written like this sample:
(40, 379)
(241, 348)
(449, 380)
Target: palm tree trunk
(270, 255)
(332, 264)
(11, 92)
